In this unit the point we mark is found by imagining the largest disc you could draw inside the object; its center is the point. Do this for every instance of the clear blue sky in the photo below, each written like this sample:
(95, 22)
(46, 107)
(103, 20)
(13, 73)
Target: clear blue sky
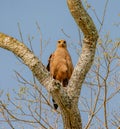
(52, 16)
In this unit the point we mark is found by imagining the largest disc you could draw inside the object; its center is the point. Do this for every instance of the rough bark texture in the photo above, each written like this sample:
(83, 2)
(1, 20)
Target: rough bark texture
(66, 98)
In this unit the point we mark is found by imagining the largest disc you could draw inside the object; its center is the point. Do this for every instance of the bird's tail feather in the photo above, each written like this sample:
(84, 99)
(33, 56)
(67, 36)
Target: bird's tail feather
(55, 104)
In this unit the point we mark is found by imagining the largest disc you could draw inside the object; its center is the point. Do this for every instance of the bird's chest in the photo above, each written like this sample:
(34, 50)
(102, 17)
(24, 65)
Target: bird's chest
(59, 57)
(61, 53)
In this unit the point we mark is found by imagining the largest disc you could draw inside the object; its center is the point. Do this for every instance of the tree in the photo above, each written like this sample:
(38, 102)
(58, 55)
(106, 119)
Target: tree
(67, 98)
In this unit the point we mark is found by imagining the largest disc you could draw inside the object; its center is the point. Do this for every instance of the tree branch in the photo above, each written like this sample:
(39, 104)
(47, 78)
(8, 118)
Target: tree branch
(82, 18)
(86, 58)
(29, 59)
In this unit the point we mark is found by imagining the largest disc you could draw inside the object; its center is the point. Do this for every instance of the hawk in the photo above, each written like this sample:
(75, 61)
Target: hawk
(60, 65)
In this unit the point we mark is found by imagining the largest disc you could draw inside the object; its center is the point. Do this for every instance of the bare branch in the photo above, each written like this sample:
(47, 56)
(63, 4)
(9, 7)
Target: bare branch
(103, 18)
(19, 49)
(86, 58)
(19, 29)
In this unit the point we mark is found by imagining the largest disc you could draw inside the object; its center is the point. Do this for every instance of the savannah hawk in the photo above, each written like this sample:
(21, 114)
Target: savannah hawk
(60, 65)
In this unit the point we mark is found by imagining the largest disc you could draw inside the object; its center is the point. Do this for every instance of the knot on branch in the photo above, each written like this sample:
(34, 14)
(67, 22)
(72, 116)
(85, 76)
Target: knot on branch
(54, 86)
(90, 41)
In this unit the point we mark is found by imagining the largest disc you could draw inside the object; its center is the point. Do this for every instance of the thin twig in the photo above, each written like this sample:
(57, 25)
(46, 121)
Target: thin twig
(20, 32)
(104, 13)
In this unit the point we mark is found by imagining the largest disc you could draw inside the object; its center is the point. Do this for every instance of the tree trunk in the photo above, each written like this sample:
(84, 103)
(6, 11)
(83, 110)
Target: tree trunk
(71, 119)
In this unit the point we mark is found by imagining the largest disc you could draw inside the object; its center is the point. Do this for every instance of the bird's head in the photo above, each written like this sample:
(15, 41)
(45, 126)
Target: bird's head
(62, 43)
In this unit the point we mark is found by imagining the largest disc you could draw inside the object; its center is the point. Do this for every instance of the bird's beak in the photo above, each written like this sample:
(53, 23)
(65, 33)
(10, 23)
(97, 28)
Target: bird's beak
(62, 44)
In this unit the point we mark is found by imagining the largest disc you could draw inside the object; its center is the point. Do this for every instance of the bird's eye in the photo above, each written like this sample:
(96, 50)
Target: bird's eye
(59, 41)
(64, 42)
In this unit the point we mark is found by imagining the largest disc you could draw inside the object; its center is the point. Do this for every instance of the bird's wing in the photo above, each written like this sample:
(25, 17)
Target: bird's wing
(49, 60)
